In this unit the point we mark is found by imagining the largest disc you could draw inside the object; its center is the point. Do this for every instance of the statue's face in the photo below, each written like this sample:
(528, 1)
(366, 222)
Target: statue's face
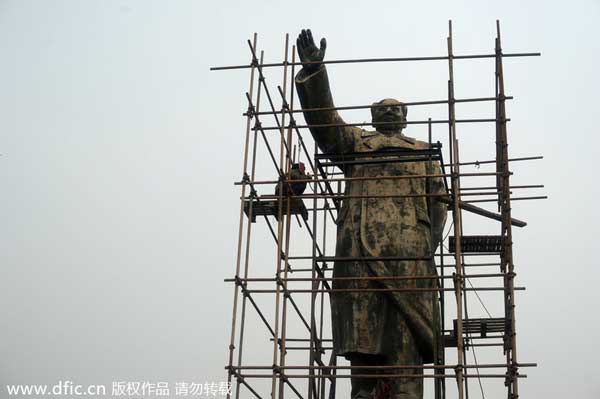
(390, 111)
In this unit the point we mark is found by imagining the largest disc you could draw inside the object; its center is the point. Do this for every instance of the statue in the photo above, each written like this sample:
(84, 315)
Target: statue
(387, 327)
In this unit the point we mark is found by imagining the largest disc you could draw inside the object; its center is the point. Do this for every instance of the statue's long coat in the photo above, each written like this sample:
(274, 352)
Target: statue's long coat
(372, 322)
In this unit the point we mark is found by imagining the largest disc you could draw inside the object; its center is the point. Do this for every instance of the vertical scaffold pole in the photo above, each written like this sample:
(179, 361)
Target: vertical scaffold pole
(314, 288)
(506, 255)
(439, 383)
(288, 216)
(248, 235)
(241, 227)
(280, 226)
(321, 393)
(456, 214)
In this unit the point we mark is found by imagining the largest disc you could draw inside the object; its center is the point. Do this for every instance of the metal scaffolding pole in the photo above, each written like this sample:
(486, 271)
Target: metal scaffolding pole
(391, 59)
(248, 236)
(506, 257)
(282, 189)
(240, 235)
(456, 216)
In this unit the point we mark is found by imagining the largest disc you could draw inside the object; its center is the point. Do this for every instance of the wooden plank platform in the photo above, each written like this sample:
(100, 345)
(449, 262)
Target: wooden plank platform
(271, 208)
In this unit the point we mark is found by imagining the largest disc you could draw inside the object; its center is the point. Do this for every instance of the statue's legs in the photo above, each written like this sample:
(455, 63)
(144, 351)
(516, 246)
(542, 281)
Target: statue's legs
(362, 387)
(404, 351)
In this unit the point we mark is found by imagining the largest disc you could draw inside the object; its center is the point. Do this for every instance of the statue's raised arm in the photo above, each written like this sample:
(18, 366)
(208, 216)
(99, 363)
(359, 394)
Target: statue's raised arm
(312, 85)
(308, 51)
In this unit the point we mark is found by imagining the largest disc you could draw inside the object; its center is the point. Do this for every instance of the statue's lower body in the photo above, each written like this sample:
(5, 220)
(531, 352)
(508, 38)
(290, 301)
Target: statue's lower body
(371, 328)
(375, 382)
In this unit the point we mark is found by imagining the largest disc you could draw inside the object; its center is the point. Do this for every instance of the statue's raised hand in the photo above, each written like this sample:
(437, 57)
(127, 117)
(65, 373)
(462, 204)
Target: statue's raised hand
(308, 51)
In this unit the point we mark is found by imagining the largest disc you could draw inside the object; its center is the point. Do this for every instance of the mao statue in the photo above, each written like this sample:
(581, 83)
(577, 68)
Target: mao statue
(387, 230)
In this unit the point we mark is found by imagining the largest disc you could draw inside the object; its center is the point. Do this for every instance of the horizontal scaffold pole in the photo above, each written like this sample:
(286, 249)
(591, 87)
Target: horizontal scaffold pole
(362, 60)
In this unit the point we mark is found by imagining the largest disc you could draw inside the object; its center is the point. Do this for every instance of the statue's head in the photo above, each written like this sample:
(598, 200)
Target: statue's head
(391, 111)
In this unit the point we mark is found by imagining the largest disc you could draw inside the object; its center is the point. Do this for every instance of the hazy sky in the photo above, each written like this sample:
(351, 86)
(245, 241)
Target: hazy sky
(119, 149)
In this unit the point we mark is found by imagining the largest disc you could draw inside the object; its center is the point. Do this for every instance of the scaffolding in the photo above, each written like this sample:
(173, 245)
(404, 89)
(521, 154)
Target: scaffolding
(309, 216)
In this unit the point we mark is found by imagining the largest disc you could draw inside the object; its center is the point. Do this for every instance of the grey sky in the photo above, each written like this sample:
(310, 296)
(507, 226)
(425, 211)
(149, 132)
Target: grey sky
(119, 149)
